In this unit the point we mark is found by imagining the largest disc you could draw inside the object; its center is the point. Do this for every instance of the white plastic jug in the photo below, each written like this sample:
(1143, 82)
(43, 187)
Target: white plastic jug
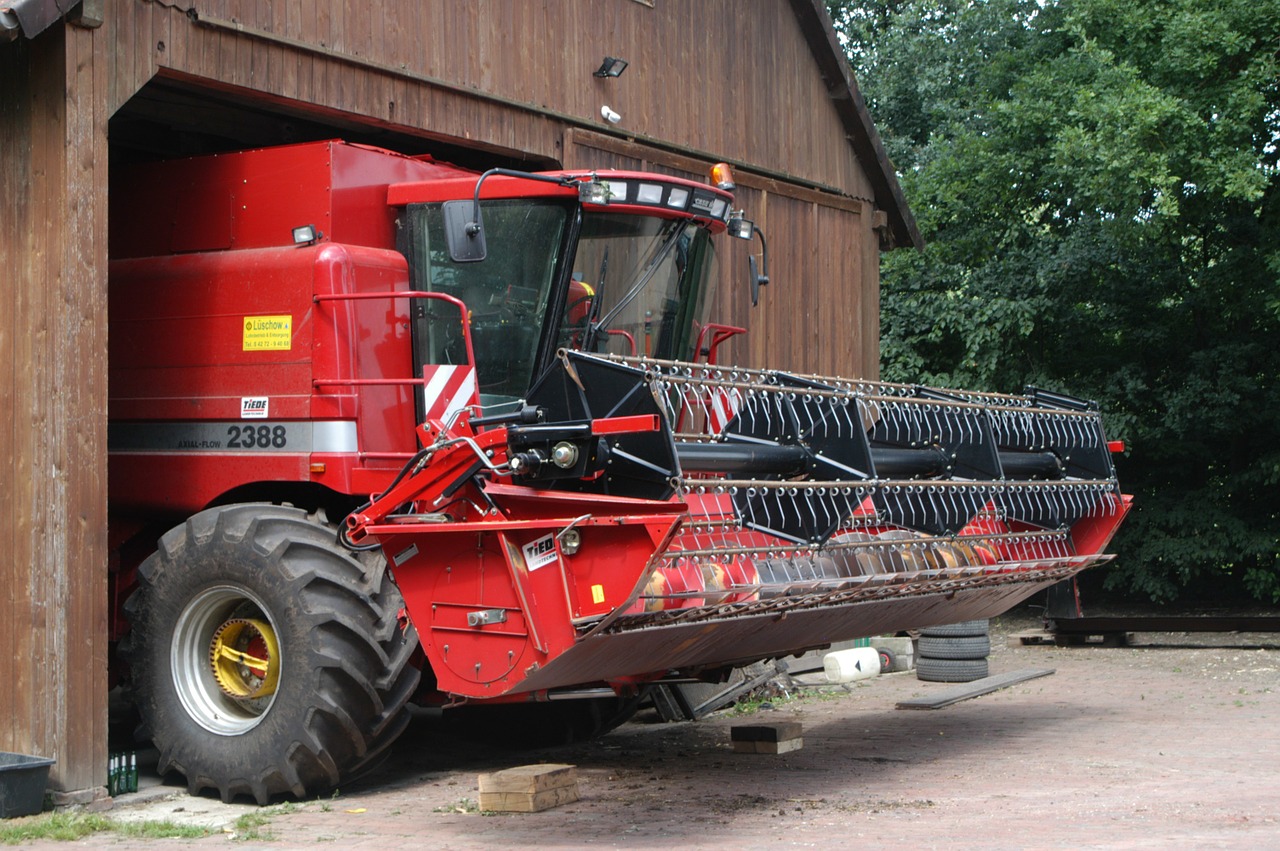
(856, 663)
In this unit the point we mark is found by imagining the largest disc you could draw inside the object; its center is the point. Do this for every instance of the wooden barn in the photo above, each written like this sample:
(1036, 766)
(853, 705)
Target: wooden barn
(91, 86)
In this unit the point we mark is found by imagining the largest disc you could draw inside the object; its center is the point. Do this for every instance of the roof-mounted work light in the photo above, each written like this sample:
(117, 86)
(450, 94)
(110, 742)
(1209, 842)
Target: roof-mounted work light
(741, 227)
(594, 191)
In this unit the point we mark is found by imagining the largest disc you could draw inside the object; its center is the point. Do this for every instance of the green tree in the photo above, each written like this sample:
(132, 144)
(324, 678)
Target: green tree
(1098, 185)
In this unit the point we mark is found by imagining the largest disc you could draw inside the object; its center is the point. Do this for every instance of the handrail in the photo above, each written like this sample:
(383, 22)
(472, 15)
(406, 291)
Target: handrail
(719, 334)
(463, 310)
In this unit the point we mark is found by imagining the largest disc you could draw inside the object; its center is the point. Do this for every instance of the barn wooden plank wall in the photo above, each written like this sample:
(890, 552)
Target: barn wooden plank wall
(738, 83)
(52, 468)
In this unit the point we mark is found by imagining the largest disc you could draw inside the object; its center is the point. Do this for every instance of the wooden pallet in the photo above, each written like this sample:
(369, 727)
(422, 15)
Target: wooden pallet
(1040, 637)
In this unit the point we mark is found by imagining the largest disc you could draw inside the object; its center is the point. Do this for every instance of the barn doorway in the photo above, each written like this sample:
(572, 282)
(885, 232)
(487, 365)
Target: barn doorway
(172, 118)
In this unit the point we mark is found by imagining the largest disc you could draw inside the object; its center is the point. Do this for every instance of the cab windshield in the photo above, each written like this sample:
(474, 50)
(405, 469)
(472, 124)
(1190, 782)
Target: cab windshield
(639, 285)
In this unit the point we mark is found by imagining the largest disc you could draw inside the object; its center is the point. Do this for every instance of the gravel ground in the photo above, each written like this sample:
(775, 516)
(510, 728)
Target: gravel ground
(1171, 743)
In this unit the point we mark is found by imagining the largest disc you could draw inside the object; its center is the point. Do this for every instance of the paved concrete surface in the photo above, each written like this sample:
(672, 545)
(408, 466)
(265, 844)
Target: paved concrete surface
(1169, 744)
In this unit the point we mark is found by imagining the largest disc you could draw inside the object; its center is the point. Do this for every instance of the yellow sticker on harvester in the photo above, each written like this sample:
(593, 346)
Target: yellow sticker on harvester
(597, 594)
(268, 333)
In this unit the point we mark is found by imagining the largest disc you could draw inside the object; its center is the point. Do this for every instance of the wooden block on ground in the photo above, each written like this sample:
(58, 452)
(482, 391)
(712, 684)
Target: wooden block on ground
(528, 802)
(768, 747)
(774, 733)
(528, 788)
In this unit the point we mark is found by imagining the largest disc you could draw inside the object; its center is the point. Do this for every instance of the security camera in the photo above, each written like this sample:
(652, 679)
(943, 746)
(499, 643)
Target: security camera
(609, 115)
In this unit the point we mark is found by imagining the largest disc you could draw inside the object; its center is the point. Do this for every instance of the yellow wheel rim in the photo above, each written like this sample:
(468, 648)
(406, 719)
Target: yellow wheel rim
(245, 657)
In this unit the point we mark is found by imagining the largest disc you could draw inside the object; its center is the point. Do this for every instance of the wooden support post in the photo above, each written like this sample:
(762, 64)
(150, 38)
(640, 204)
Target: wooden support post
(53, 402)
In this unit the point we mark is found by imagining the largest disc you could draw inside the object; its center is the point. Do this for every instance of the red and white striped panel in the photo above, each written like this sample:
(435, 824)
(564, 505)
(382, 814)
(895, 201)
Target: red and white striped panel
(723, 406)
(449, 389)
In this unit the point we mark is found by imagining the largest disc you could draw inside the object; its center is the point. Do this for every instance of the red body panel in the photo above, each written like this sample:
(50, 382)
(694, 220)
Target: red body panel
(252, 199)
(181, 355)
(217, 332)
(515, 567)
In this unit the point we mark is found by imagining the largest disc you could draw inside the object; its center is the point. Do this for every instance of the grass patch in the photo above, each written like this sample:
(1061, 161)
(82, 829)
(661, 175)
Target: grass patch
(771, 696)
(253, 827)
(159, 830)
(463, 805)
(72, 826)
(63, 827)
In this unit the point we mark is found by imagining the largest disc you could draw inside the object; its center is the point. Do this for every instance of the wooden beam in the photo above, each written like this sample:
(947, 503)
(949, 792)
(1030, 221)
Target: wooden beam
(977, 688)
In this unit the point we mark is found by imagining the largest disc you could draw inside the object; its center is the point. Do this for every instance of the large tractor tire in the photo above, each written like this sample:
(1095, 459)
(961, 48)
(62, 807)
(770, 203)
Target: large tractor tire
(266, 660)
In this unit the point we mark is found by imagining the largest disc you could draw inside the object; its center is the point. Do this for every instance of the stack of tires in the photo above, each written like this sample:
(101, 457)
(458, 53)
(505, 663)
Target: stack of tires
(955, 653)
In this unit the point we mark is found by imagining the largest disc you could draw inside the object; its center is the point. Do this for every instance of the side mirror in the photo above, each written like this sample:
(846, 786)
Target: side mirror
(464, 231)
(759, 278)
(756, 280)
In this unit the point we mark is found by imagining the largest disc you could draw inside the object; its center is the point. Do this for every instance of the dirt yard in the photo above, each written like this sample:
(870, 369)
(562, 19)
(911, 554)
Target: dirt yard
(1171, 743)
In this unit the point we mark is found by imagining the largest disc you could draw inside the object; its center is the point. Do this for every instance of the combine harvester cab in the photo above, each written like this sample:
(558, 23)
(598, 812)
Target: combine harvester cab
(618, 528)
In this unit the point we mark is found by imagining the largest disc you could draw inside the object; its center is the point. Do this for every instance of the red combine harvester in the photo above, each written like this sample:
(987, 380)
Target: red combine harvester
(452, 444)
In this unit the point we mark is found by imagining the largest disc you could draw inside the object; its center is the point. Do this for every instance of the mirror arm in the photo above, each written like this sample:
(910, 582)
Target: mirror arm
(476, 225)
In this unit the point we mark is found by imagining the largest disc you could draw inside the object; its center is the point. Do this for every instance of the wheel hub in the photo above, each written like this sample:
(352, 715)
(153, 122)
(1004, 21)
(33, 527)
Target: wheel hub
(245, 658)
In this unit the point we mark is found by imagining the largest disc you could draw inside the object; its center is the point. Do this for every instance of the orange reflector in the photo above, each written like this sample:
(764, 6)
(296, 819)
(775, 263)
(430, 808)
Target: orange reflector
(317, 467)
(1115, 446)
(722, 177)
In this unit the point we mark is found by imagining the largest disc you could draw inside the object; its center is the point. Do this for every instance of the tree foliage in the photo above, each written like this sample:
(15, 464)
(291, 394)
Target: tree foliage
(1098, 185)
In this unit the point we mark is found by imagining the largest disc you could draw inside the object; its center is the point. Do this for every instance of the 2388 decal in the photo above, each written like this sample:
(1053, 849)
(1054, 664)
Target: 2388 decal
(256, 437)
